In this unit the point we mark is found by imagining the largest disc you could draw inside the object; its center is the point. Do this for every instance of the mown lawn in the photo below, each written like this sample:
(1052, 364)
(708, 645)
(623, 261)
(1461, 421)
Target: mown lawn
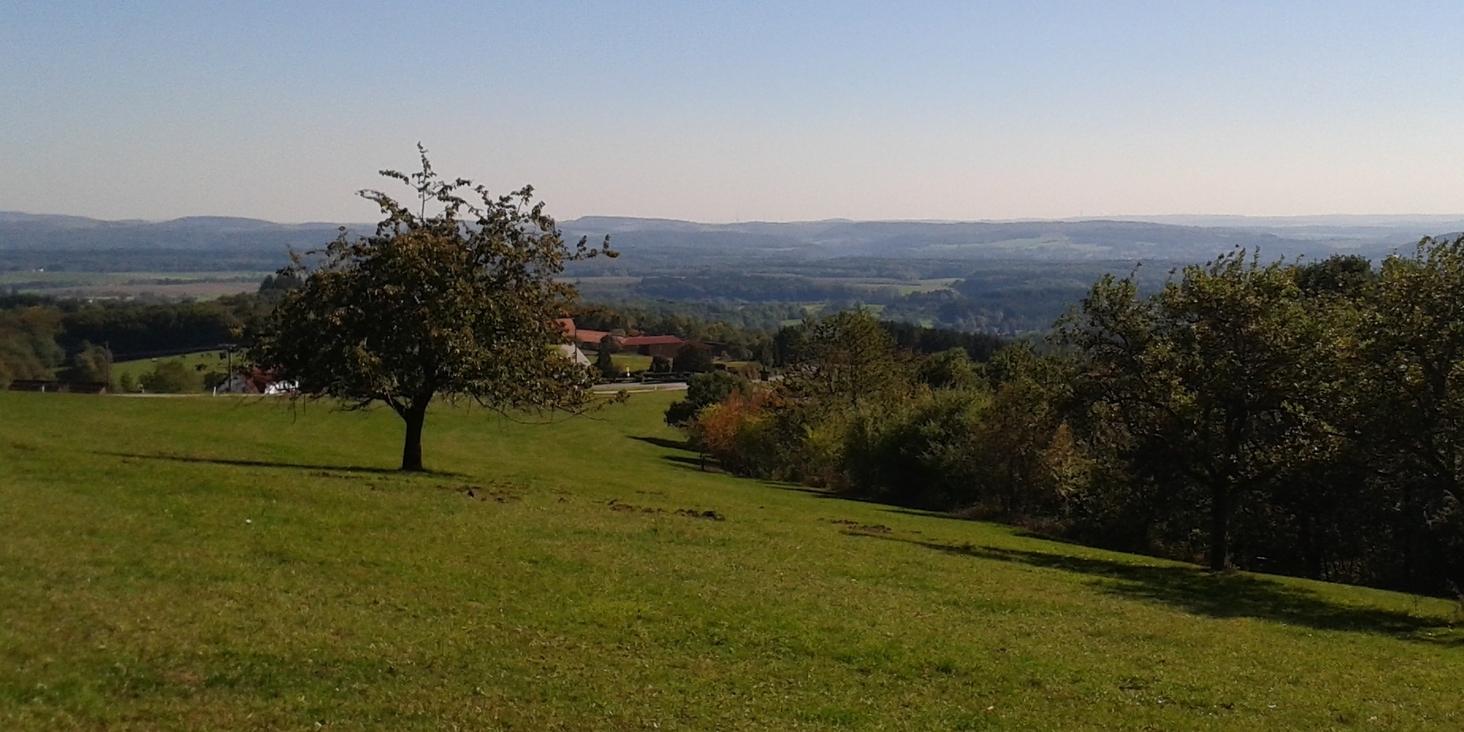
(235, 563)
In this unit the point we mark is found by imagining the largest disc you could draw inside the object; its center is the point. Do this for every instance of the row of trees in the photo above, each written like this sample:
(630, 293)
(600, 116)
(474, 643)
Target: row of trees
(1306, 419)
(31, 338)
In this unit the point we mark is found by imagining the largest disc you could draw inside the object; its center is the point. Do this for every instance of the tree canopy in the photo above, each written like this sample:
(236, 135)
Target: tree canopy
(453, 295)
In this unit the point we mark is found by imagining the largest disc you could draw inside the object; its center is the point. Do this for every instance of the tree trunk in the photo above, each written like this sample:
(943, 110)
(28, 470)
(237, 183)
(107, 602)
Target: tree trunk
(412, 445)
(1219, 527)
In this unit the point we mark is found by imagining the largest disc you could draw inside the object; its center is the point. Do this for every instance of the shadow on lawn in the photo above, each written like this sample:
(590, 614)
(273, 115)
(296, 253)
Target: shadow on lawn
(274, 464)
(1228, 595)
(700, 463)
(663, 442)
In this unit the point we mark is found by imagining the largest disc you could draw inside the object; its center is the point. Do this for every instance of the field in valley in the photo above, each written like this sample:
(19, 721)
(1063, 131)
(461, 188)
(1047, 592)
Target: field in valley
(240, 563)
(128, 285)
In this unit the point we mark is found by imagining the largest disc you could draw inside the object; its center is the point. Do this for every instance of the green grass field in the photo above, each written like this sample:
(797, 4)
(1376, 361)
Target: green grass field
(195, 285)
(210, 360)
(633, 361)
(206, 563)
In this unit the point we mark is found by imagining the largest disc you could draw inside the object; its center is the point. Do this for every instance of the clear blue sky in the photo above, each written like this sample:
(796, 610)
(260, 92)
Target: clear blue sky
(736, 111)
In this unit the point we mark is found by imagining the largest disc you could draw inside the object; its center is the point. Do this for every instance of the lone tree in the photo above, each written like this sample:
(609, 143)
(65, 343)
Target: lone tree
(457, 297)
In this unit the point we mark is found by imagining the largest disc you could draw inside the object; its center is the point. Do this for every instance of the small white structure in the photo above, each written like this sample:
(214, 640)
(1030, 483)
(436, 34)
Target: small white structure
(572, 352)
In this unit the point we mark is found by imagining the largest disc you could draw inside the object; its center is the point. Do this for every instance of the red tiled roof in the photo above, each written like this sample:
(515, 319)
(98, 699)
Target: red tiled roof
(650, 340)
(584, 335)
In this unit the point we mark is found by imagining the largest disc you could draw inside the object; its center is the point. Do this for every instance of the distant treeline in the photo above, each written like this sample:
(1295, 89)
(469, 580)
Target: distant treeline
(42, 337)
(47, 338)
(760, 332)
(997, 297)
(1302, 419)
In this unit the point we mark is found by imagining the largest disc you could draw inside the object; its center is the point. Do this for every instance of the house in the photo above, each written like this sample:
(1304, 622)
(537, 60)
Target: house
(647, 345)
(572, 352)
(583, 337)
(587, 338)
(254, 381)
(665, 346)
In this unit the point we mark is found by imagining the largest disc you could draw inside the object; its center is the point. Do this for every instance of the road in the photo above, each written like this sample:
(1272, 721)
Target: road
(634, 387)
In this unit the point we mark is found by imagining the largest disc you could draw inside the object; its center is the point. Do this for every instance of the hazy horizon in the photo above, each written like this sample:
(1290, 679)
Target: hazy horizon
(726, 114)
(1296, 219)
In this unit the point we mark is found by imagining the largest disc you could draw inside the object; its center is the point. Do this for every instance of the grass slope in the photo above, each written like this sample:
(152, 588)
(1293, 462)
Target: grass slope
(229, 563)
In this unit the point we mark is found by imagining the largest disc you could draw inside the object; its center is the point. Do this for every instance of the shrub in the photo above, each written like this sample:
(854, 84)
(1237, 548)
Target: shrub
(703, 391)
(740, 433)
(170, 377)
(604, 363)
(923, 454)
(949, 369)
(693, 357)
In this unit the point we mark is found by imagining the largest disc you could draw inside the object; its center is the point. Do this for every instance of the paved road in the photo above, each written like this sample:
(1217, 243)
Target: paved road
(669, 386)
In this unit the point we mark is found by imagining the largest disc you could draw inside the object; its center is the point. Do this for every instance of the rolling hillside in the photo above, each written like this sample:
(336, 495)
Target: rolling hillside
(226, 563)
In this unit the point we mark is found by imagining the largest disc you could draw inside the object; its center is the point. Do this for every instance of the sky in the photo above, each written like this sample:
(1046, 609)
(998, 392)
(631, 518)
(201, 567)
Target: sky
(735, 111)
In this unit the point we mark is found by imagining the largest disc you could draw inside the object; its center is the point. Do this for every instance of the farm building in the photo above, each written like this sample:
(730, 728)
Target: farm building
(653, 345)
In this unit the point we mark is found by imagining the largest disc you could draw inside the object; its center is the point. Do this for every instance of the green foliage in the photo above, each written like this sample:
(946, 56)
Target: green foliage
(1209, 377)
(702, 391)
(92, 364)
(660, 365)
(846, 360)
(460, 301)
(1340, 274)
(919, 454)
(1411, 401)
(171, 377)
(949, 369)
(693, 358)
(1304, 419)
(130, 328)
(28, 348)
(605, 362)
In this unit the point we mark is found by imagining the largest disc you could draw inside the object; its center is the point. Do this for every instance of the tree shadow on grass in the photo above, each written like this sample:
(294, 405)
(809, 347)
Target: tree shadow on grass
(664, 442)
(275, 464)
(1225, 595)
(703, 466)
(702, 463)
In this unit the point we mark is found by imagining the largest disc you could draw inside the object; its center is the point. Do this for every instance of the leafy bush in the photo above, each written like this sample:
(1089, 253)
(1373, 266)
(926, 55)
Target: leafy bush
(703, 391)
(694, 358)
(171, 377)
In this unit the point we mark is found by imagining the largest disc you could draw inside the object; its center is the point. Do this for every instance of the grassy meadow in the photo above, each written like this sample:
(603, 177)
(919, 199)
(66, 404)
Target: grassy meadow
(206, 563)
(209, 360)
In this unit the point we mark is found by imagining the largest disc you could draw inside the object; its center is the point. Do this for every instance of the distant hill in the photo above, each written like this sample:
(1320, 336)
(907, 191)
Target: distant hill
(20, 231)
(1064, 240)
(29, 239)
